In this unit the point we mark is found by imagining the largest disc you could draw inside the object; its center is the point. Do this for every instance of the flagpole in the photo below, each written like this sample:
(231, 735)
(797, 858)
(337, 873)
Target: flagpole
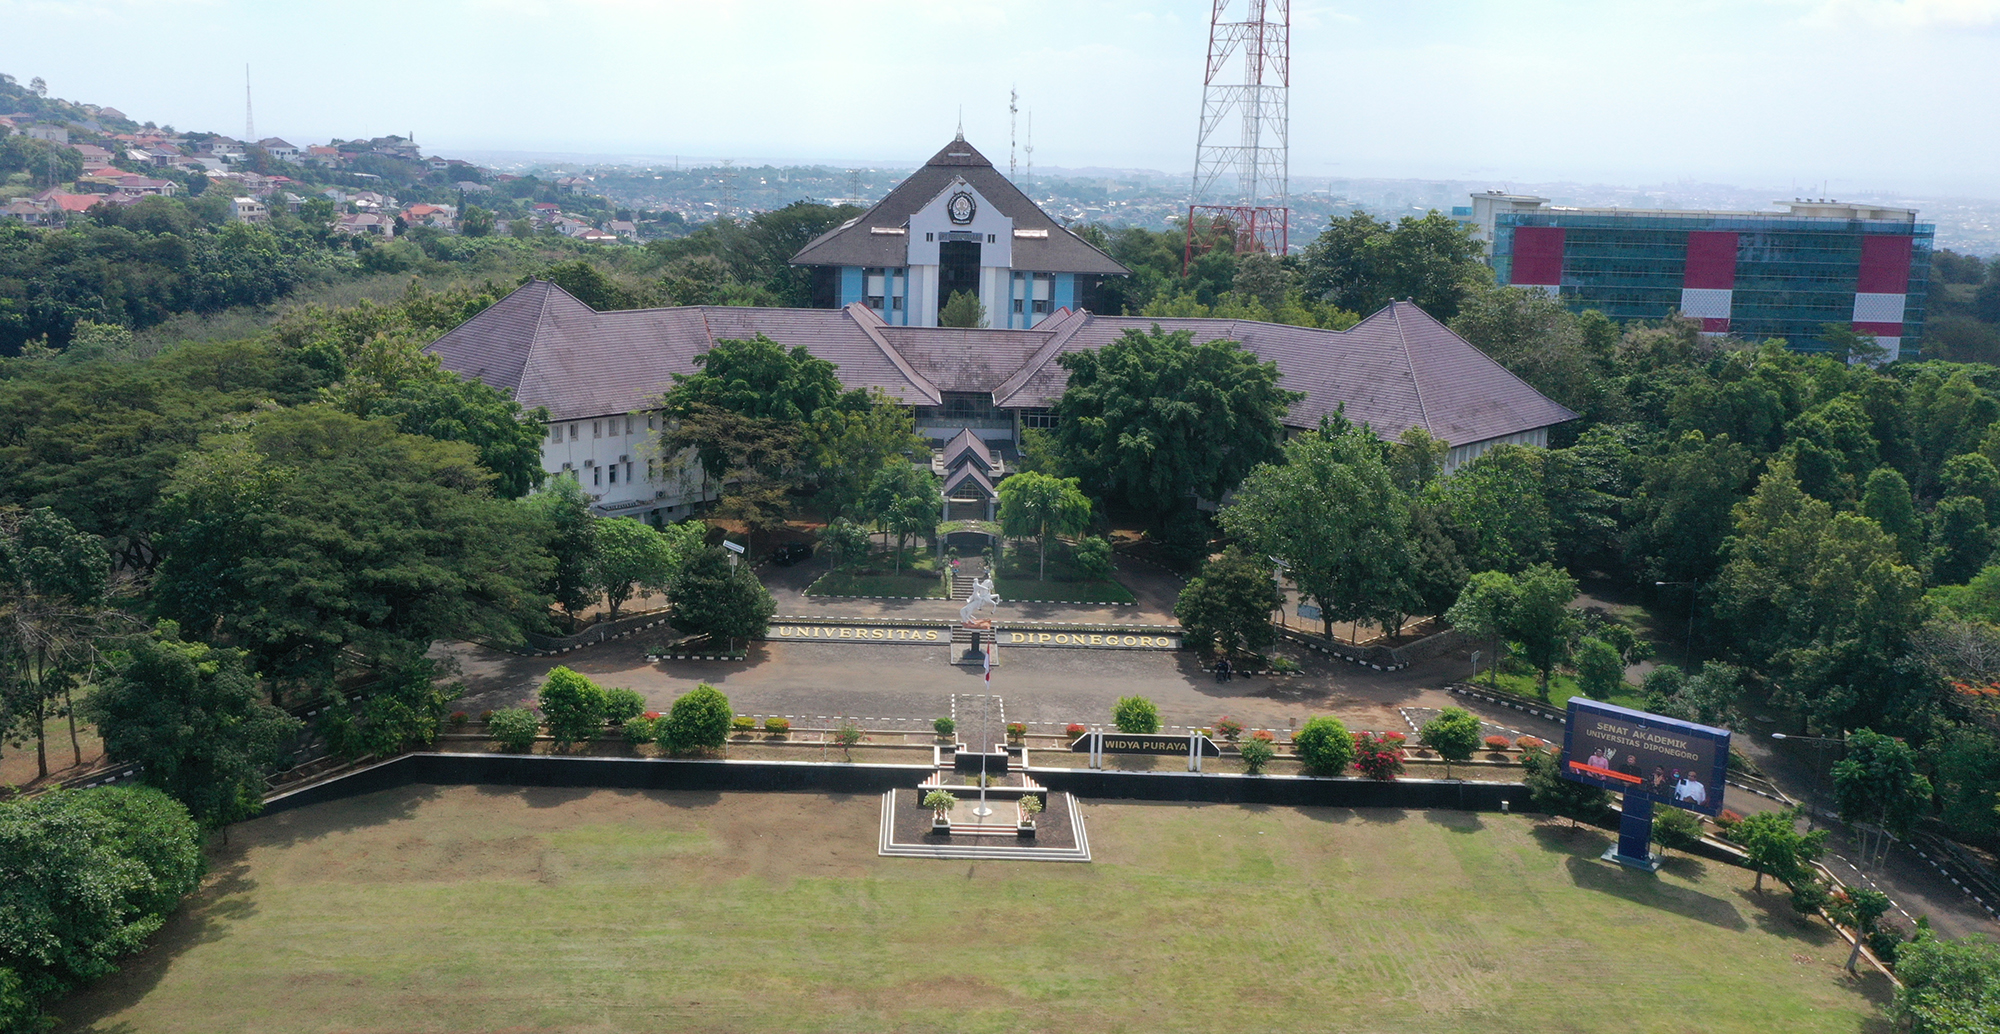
(985, 709)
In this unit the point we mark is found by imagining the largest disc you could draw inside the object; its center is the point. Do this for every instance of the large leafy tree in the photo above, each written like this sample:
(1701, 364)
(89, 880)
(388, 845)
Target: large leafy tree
(1774, 847)
(844, 446)
(1496, 508)
(1332, 512)
(714, 598)
(1229, 604)
(315, 540)
(1821, 603)
(1541, 619)
(1041, 507)
(1153, 418)
(52, 611)
(1483, 611)
(194, 720)
(905, 500)
(1949, 987)
(632, 555)
(761, 378)
(1878, 783)
(1361, 263)
(560, 517)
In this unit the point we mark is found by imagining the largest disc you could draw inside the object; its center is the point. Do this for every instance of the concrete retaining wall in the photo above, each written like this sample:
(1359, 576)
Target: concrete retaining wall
(816, 777)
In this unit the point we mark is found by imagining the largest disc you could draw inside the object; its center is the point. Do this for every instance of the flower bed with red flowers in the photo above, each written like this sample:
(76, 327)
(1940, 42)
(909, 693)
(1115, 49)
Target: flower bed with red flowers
(1378, 755)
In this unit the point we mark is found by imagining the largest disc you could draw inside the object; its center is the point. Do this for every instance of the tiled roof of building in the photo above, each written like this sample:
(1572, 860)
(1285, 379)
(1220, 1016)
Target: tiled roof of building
(855, 244)
(967, 448)
(1397, 369)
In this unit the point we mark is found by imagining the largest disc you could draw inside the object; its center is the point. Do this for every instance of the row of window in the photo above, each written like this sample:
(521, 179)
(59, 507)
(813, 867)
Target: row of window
(597, 473)
(613, 426)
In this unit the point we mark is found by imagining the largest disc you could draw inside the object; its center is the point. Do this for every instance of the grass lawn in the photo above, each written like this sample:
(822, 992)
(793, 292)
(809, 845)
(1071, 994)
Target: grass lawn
(879, 576)
(490, 908)
(1016, 580)
(1562, 687)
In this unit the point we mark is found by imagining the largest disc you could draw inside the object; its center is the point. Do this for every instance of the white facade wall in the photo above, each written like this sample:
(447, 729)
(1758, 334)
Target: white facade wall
(615, 459)
(1460, 455)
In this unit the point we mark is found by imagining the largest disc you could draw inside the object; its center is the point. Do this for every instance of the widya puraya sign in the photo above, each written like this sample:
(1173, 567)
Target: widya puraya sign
(1632, 752)
(1145, 743)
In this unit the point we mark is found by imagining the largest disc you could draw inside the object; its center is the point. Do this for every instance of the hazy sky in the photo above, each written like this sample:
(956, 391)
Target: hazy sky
(1886, 96)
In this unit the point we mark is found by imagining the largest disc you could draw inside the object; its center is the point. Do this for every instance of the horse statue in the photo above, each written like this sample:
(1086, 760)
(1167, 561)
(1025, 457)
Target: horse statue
(982, 595)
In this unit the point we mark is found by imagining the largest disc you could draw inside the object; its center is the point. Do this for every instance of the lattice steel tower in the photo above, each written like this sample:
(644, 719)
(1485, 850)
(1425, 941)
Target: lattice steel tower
(1242, 158)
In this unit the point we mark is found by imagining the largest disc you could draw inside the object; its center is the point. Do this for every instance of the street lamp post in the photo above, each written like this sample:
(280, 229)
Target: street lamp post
(1687, 656)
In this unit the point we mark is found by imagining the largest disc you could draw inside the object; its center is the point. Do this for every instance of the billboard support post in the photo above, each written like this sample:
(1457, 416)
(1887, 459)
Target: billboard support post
(1635, 835)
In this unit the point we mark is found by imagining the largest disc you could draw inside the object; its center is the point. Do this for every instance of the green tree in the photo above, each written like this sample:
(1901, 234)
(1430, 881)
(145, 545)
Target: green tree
(1676, 830)
(845, 541)
(1041, 507)
(905, 500)
(1773, 846)
(1949, 987)
(75, 899)
(1564, 798)
(1967, 763)
(962, 309)
(1136, 715)
(1228, 605)
(152, 828)
(475, 221)
(1496, 508)
(1861, 909)
(845, 447)
(1333, 514)
(1961, 539)
(760, 378)
(1324, 745)
(1541, 619)
(1454, 734)
(1886, 501)
(698, 722)
(316, 540)
(560, 516)
(1361, 263)
(1142, 418)
(1679, 514)
(1600, 671)
(572, 705)
(52, 611)
(1878, 783)
(632, 555)
(1484, 610)
(587, 284)
(712, 598)
(194, 720)
(405, 709)
(1705, 697)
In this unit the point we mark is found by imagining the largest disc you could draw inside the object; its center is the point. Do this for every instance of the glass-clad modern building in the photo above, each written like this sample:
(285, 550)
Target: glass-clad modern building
(1755, 275)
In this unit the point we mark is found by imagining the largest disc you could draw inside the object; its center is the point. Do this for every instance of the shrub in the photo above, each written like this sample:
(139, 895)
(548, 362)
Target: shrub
(1031, 805)
(1136, 714)
(1454, 734)
(1496, 742)
(1256, 754)
(1377, 756)
(572, 705)
(1074, 729)
(486, 716)
(1229, 727)
(1727, 822)
(1324, 745)
(743, 725)
(641, 729)
(1283, 665)
(941, 800)
(1264, 736)
(847, 735)
(698, 722)
(1017, 731)
(945, 726)
(778, 728)
(1531, 743)
(1093, 558)
(459, 718)
(514, 728)
(1676, 830)
(1600, 668)
(623, 705)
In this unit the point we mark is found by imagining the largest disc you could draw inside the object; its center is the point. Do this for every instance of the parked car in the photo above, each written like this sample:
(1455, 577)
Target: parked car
(791, 553)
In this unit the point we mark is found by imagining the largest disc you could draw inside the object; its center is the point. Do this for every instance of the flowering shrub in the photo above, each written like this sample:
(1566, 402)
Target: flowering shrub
(742, 725)
(1394, 737)
(777, 727)
(1074, 729)
(485, 716)
(1496, 743)
(1531, 743)
(1264, 736)
(1377, 755)
(1972, 689)
(1016, 730)
(459, 718)
(1229, 727)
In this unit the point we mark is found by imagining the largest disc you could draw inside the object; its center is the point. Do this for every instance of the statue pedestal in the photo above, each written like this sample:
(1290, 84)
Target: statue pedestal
(970, 643)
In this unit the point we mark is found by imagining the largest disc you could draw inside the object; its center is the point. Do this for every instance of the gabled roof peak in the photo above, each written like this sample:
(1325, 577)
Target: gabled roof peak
(958, 152)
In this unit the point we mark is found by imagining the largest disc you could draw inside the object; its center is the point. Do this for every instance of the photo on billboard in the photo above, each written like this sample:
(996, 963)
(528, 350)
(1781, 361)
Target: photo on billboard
(1672, 761)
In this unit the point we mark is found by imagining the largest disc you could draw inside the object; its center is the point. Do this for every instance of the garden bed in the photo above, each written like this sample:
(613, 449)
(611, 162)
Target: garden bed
(915, 578)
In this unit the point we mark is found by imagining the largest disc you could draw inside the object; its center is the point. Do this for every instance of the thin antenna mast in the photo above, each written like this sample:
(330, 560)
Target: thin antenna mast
(1259, 106)
(249, 123)
(1013, 115)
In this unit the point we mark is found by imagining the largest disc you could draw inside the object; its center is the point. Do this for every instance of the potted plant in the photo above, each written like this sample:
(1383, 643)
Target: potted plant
(1025, 811)
(945, 727)
(940, 802)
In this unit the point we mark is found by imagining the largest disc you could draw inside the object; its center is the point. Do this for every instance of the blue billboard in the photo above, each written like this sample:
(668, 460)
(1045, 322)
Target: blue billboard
(1632, 752)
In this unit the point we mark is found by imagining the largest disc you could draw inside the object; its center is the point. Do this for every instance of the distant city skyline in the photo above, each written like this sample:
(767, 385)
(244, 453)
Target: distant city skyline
(1833, 97)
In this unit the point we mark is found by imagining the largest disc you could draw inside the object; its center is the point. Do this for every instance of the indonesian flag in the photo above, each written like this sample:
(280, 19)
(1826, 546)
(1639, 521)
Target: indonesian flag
(989, 665)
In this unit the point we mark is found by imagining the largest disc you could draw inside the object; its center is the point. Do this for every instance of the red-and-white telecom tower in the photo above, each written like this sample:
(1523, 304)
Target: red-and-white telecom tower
(1243, 134)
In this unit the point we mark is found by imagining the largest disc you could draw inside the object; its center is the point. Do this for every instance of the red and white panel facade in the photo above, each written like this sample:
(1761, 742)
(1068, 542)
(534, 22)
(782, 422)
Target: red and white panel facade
(1538, 258)
(1708, 287)
(1882, 289)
